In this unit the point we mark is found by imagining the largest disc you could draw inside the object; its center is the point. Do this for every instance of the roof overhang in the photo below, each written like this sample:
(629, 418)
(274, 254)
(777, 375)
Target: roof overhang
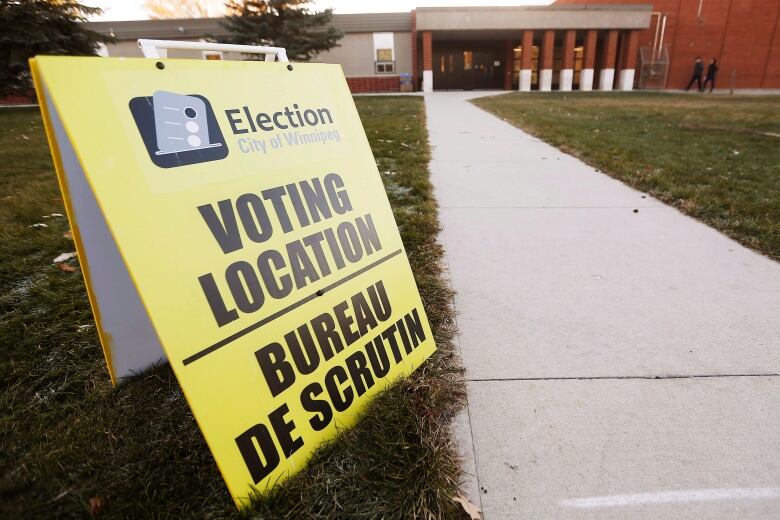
(588, 16)
(188, 28)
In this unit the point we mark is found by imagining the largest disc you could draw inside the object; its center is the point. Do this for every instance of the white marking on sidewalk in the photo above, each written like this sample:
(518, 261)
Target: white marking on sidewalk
(667, 497)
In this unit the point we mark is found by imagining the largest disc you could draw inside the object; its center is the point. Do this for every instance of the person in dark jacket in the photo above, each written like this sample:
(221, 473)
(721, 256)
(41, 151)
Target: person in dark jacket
(698, 69)
(712, 69)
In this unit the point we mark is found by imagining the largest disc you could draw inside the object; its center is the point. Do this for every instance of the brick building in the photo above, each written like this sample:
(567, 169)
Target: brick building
(744, 35)
(569, 45)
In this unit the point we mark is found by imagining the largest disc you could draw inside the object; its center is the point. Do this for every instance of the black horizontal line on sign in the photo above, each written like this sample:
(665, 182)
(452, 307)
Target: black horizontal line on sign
(278, 314)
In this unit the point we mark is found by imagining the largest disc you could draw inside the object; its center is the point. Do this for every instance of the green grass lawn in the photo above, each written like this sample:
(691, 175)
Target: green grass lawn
(713, 157)
(71, 444)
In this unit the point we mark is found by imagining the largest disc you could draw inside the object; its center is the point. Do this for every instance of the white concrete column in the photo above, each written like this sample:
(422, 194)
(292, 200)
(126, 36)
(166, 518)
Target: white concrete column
(628, 60)
(427, 81)
(588, 60)
(525, 80)
(545, 80)
(608, 59)
(606, 79)
(586, 80)
(626, 79)
(526, 61)
(427, 64)
(546, 55)
(567, 75)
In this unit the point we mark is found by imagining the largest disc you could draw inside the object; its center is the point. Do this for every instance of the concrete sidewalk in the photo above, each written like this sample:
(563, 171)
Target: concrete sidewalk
(622, 359)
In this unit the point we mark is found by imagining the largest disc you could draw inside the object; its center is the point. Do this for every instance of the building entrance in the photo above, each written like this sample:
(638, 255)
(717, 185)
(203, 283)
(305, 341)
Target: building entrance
(468, 65)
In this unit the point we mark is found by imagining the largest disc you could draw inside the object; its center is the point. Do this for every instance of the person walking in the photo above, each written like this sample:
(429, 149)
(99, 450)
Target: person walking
(712, 70)
(698, 69)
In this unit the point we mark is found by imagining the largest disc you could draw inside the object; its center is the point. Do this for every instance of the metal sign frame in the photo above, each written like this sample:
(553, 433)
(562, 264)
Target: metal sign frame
(159, 48)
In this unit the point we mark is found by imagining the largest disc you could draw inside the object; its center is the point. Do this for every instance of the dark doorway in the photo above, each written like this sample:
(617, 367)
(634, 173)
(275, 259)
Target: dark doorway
(468, 65)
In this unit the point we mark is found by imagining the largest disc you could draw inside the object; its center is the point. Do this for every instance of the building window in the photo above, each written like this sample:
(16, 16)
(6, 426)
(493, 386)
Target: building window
(468, 60)
(384, 55)
(579, 53)
(384, 67)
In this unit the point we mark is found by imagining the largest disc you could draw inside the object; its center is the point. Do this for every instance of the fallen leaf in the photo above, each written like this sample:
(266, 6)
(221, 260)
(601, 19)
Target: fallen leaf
(470, 509)
(63, 257)
(68, 235)
(96, 505)
(67, 268)
(61, 495)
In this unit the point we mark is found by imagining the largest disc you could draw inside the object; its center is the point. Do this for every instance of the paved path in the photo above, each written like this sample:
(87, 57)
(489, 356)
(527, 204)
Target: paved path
(620, 364)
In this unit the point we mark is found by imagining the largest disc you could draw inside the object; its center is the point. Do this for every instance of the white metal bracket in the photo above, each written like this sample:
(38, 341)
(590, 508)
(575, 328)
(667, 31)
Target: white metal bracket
(159, 48)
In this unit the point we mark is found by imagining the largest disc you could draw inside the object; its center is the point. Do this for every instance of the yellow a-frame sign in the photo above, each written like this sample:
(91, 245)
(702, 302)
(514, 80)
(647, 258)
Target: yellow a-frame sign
(229, 217)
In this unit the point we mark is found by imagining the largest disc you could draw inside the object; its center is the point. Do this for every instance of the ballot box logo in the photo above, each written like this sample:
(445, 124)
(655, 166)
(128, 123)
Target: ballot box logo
(178, 129)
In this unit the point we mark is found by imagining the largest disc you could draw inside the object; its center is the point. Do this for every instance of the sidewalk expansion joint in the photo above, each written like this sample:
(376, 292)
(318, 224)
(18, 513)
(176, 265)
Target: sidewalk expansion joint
(596, 378)
(550, 207)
